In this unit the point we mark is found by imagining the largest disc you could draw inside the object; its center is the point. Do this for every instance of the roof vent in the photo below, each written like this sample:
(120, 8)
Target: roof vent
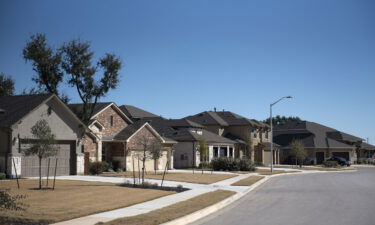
(2, 111)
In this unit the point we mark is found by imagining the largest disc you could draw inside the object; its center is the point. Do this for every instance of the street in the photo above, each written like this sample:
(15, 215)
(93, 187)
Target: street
(344, 198)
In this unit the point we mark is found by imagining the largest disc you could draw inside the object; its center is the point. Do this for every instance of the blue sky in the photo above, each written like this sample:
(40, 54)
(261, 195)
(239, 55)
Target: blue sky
(184, 57)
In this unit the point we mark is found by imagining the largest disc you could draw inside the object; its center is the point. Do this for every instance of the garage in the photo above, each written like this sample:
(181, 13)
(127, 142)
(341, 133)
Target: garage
(65, 164)
(344, 155)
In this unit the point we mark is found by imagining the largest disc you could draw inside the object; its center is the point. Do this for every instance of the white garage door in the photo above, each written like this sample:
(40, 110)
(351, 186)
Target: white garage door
(30, 164)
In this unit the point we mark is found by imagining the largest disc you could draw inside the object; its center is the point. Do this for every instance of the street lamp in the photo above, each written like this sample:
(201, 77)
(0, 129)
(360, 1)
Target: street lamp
(271, 155)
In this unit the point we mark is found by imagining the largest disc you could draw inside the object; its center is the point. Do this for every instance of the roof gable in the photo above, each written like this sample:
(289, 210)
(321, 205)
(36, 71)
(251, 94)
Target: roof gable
(136, 113)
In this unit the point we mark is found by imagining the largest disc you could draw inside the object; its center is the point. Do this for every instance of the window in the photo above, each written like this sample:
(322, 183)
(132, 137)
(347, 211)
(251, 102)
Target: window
(216, 152)
(111, 120)
(82, 148)
(103, 154)
(266, 134)
(223, 151)
(183, 157)
(231, 152)
(255, 133)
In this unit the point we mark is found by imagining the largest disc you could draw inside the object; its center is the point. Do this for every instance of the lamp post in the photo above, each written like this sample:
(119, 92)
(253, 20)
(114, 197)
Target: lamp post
(271, 155)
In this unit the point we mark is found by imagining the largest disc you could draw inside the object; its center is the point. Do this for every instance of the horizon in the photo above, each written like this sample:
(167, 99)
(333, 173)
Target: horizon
(182, 58)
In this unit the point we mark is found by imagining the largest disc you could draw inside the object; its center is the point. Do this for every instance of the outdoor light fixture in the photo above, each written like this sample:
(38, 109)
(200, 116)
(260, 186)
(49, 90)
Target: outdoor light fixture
(271, 155)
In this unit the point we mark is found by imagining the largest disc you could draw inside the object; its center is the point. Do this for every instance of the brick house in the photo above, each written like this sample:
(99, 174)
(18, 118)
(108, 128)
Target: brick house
(109, 124)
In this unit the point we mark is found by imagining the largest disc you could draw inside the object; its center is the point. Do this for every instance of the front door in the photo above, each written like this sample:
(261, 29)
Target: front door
(319, 157)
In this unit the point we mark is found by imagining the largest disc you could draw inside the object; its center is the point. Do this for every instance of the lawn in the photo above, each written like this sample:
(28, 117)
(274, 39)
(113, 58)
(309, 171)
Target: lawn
(268, 172)
(248, 181)
(175, 211)
(72, 199)
(196, 177)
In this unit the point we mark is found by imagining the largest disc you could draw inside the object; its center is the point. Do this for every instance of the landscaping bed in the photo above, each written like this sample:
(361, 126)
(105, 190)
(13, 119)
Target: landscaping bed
(268, 172)
(71, 199)
(196, 177)
(175, 211)
(248, 181)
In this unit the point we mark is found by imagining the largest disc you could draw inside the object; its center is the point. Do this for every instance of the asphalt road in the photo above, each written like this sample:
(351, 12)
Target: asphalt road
(346, 198)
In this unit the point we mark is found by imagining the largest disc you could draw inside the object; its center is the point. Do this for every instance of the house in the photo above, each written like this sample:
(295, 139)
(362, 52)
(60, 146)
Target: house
(188, 133)
(19, 114)
(321, 142)
(119, 138)
(242, 130)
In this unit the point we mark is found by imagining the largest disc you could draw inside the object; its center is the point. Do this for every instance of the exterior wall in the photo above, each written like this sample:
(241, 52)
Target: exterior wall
(311, 154)
(184, 154)
(118, 122)
(91, 147)
(4, 146)
(215, 129)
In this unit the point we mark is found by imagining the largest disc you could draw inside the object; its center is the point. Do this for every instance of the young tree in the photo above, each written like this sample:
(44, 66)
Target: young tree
(203, 149)
(46, 63)
(9, 202)
(297, 150)
(77, 62)
(6, 85)
(156, 152)
(248, 147)
(44, 146)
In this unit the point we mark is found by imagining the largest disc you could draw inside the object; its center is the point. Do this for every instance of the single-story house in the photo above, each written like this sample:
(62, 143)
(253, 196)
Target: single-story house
(19, 114)
(321, 142)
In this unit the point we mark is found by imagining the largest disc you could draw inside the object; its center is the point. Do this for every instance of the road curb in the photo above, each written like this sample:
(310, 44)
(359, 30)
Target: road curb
(216, 207)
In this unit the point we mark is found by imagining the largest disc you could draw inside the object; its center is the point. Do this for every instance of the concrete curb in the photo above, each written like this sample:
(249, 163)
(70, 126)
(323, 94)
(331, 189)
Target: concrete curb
(213, 208)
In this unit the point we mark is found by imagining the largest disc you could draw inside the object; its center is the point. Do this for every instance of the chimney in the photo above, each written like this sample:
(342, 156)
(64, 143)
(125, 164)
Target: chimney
(214, 109)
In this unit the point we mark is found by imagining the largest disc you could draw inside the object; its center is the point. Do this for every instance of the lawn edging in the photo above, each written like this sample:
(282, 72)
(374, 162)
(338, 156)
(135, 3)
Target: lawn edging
(213, 208)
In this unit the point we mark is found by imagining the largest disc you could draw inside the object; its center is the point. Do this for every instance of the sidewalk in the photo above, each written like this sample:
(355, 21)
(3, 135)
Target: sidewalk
(145, 207)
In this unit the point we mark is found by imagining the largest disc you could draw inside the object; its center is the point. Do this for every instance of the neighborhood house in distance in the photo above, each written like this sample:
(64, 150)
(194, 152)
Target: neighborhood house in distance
(115, 134)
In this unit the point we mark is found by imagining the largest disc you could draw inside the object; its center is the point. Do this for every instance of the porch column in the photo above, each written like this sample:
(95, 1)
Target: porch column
(227, 151)
(100, 146)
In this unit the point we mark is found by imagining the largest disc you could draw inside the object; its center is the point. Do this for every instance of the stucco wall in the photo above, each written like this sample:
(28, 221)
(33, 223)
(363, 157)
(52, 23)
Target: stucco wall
(183, 156)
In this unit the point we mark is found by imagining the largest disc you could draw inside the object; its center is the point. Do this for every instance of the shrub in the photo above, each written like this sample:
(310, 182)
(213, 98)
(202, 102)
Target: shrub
(204, 165)
(330, 164)
(228, 164)
(180, 188)
(246, 165)
(96, 168)
(107, 166)
(2, 176)
(116, 165)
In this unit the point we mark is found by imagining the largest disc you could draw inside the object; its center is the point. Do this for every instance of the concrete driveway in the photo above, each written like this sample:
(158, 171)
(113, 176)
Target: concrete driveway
(344, 198)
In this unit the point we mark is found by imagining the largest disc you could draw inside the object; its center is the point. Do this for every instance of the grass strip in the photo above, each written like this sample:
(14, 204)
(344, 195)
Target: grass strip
(175, 211)
(196, 177)
(248, 181)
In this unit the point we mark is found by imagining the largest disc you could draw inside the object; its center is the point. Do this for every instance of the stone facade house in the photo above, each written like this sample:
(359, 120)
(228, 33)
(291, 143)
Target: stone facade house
(109, 123)
(19, 113)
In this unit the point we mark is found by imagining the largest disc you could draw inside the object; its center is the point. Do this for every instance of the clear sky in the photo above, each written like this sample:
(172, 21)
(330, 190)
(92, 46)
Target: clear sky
(184, 57)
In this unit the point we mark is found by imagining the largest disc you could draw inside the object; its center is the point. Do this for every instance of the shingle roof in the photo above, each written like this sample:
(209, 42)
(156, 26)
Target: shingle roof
(223, 118)
(367, 146)
(312, 135)
(136, 113)
(128, 131)
(77, 108)
(18, 106)
(178, 130)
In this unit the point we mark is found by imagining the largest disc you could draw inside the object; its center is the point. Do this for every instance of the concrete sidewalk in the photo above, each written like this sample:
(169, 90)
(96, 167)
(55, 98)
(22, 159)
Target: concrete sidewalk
(145, 207)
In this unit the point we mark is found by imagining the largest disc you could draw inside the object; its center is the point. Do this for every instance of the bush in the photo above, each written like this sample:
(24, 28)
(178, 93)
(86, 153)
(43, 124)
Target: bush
(204, 165)
(96, 168)
(107, 166)
(228, 164)
(180, 188)
(116, 165)
(330, 164)
(2, 176)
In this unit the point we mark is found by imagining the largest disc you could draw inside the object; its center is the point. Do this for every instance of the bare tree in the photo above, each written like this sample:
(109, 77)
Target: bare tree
(156, 152)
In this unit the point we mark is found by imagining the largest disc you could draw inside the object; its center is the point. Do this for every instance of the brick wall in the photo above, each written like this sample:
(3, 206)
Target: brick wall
(90, 146)
(118, 122)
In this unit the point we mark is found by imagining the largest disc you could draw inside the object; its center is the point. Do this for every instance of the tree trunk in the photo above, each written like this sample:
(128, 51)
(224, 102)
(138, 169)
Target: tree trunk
(40, 172)
(143, 166)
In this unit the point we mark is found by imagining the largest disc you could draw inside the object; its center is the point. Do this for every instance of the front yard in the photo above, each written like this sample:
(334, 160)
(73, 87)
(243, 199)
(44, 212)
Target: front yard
(72, 199)
(196, 177)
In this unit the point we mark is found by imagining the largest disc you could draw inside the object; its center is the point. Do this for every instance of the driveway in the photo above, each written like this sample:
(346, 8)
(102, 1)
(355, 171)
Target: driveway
(344, 198)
